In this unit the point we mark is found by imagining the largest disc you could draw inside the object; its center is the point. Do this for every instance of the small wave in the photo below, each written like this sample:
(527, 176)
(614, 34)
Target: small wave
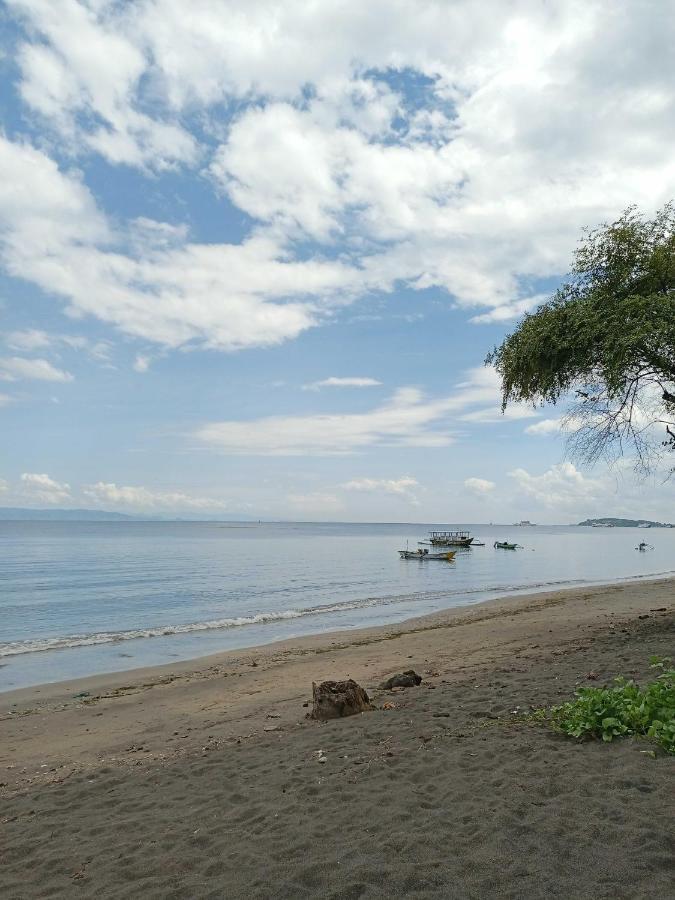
(16, 648)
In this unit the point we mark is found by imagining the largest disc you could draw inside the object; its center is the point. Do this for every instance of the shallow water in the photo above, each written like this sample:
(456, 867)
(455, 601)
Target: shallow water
(84, 598)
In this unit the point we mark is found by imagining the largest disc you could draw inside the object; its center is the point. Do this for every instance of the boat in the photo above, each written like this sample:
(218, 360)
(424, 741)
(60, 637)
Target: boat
(644, 546)
(448, 555)
(504, 545)
(449, 539)
(524, 523)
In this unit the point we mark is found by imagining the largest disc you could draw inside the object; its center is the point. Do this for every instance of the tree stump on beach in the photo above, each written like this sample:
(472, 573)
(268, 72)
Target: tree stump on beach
(336, 699)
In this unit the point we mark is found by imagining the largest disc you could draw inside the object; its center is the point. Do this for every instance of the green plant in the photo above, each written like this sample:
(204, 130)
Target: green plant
(608, 335)
(624, 709)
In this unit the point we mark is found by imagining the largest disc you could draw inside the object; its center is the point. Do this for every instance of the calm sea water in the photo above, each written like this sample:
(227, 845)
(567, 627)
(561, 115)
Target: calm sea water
(84, 598)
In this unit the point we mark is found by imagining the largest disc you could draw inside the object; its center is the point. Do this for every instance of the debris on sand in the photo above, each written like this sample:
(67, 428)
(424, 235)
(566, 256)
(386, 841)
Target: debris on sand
(335, 699)
(410, 678)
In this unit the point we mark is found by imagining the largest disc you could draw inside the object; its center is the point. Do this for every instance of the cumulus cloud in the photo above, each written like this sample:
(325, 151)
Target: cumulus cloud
(40, 487)
(83, 78)
(224, 296)
(352, 185)
(562, 487)
(15, 368)
(146, 499)
(333, 381)
(479, 486)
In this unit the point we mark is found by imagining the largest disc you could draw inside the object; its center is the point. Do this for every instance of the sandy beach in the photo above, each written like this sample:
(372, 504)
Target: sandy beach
(202, 779)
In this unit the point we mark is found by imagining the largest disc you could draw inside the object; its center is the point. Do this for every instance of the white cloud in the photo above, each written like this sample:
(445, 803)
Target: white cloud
(223, 296)
(508, 311)
(545, 427)
(404, 420)
(141, 363)
(146, 499)
(402, 487)
(42, 488)
(32, 339)
(5, 399)
(562, 487)
(574, 495)
(15, 368)
(513, 412)
(3, 486)
(341, 382)
(29, 340)
(84, 77)
(439, 192)
(407, 419)
(479, 486)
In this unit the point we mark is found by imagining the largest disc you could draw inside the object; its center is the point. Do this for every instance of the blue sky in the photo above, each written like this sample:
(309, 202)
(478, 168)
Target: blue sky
(252, 258)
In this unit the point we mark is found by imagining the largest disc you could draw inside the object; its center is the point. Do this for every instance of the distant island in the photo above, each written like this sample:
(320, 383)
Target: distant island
(19, 514)
(609, 522)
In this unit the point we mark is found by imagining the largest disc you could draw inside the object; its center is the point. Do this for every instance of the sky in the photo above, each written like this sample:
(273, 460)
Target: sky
(253, 254)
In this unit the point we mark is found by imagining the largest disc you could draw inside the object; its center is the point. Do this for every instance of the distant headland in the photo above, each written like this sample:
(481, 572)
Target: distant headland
(21, 514)
(15, 513)
(609, 522)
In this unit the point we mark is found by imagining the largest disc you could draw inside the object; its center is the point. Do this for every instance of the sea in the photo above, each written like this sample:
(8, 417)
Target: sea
(84, 598)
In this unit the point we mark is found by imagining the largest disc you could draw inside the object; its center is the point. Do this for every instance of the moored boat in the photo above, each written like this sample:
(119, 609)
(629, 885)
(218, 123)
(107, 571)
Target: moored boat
(449, 539)
(448, 555)
(505, 545)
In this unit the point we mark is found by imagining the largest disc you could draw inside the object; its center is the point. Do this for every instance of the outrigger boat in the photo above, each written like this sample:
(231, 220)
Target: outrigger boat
(504, 545)
(449, 539)
(448, 556)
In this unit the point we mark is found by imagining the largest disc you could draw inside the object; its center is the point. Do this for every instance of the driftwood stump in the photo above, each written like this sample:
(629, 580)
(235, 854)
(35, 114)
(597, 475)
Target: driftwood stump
(403, 679)
(335, 699)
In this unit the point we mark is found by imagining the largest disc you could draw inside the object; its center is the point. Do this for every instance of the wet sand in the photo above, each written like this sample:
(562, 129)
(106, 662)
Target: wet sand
(203, 779)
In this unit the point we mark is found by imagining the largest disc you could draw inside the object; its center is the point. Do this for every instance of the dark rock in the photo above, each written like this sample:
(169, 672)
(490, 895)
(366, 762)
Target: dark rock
(403, 679)
(335, 699)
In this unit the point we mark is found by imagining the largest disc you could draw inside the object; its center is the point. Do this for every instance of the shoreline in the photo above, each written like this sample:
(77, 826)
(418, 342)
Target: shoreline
(112, 679)
(211, 780)
(246, 683)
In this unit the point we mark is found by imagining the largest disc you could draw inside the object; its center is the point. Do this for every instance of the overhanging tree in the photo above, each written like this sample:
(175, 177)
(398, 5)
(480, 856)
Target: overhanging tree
(607, 338)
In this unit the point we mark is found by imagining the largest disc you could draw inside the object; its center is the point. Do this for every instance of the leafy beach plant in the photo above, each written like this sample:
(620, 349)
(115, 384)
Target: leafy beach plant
(624, 709)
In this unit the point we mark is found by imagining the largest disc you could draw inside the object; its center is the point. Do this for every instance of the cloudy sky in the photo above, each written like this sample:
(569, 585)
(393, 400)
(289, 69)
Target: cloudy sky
(253, 254)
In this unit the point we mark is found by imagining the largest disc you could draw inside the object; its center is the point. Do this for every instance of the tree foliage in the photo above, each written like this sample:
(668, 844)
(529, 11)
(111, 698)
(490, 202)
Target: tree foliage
(608, 337)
